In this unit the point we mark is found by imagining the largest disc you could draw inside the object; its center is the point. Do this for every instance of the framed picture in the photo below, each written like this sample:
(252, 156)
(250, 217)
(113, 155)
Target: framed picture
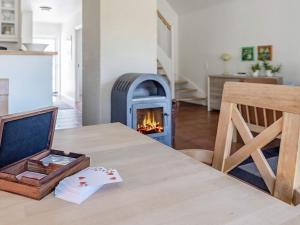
(265, 52)
(248, 54)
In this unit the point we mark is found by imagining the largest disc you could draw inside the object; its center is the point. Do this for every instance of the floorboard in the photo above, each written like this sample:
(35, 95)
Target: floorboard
(196, 128)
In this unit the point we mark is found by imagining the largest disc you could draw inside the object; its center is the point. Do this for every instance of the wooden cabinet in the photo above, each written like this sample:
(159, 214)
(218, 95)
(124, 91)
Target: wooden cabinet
(9, 20)
(216, 85)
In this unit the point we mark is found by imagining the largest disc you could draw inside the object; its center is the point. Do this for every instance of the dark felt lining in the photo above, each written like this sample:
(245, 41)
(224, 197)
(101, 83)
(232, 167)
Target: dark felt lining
(25, 137)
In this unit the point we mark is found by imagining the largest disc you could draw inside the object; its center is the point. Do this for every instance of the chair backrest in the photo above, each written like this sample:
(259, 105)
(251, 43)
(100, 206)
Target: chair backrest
(280, 98)
(258, 118)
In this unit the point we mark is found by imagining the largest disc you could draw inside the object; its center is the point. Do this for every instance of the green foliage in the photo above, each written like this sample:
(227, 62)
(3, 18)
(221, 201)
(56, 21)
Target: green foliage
(276, 69)
(267, 65)
(256, 67)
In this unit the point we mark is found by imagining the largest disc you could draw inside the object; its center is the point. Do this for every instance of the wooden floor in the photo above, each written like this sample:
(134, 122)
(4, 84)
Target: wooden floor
(196, 128)
(68, 116)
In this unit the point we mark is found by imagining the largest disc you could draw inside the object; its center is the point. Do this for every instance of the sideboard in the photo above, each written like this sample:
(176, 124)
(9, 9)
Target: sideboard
(216, 85)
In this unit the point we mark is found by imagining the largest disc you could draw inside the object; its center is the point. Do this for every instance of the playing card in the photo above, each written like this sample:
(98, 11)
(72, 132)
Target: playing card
(100, 175)
(81, 186)
(81, 194)
(94, 176)
(113, 176)
(85, 178)
(57, 159)
(33, 175)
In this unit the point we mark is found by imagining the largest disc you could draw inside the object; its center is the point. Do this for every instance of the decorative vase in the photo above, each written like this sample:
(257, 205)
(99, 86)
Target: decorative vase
(255, 73)
(226, 57)
(269, 73)
(225, 68)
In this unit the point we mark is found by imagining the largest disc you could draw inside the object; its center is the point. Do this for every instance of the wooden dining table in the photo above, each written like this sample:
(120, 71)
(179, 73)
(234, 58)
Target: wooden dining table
(161, 187)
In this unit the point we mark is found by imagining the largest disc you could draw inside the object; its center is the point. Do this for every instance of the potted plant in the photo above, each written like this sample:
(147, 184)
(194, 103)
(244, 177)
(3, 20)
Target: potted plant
(276, 69)
(255, 69)
(268, 69)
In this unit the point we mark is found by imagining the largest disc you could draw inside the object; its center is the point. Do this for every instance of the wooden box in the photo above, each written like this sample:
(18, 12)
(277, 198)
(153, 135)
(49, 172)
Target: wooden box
(26, 140)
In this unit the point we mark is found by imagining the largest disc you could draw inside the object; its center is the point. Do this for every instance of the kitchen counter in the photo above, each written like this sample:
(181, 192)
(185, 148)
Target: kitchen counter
(13, 52)
(30, 79)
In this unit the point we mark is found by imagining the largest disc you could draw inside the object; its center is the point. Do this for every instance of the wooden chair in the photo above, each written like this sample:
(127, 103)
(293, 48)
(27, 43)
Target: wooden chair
(259, 118)
(280, 98)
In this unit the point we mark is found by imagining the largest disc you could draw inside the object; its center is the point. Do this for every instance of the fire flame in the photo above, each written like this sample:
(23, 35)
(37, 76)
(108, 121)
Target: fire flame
(150, 125)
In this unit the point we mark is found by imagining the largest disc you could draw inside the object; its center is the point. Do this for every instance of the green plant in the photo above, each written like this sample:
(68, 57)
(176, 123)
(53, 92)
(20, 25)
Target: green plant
(267, 65)
(256, 67)
(276, 69)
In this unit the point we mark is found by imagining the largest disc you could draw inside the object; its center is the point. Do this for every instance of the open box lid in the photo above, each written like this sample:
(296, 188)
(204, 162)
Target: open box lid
(25, 134)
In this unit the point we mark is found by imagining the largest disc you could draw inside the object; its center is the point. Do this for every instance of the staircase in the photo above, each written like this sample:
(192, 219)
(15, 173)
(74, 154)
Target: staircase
(185, 92)
(160, 69)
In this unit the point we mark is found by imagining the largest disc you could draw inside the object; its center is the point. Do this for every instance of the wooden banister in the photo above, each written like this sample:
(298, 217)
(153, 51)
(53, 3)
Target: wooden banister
(163, 19)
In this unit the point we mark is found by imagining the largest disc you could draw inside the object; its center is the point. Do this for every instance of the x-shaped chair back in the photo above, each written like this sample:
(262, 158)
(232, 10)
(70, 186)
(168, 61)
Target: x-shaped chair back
(280, 98)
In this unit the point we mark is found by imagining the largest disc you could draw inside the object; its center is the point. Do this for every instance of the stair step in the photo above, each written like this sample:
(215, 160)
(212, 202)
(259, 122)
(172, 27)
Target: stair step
(160, 68)
(180, 82)
(186, 90)
(191, 99)
(163, 74)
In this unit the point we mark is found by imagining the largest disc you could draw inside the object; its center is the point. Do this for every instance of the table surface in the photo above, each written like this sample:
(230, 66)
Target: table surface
(161, 187)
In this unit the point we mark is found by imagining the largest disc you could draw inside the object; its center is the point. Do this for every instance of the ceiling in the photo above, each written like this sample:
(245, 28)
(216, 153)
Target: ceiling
(61, 9)
(187, 6)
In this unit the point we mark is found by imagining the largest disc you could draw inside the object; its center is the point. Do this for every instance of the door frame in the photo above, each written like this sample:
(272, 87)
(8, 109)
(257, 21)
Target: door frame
(78, 84)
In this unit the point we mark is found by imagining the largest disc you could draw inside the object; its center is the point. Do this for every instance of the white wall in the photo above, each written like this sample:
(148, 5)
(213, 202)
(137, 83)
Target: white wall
(42, 30)
(68, 78)
(128, 41)
(27, 29)
(91, 62)
(47, 30)
(232, 24)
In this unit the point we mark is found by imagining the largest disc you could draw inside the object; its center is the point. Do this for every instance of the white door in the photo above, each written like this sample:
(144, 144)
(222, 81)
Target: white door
(78, 52)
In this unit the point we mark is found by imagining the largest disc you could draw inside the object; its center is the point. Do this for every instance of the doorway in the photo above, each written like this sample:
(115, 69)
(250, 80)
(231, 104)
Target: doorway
(53, 46)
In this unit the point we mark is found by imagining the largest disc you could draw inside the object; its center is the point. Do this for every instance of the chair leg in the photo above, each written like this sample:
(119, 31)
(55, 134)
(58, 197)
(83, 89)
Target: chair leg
(288, 165)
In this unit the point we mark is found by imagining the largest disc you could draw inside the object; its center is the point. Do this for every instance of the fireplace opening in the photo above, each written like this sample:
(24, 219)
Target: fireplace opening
(149, 88)
(150, 121)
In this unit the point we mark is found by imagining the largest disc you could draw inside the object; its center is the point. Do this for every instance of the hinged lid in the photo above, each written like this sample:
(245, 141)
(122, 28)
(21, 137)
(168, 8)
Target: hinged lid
(25, 134)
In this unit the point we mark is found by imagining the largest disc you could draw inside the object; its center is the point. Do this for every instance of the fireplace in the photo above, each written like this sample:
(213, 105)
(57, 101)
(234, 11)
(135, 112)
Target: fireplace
(150, 121)
(143, 103)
